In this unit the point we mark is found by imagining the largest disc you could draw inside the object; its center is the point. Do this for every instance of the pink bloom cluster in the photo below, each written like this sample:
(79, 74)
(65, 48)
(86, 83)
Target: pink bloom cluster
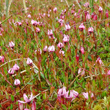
(63, 94)
(13, 69)
(27, 100)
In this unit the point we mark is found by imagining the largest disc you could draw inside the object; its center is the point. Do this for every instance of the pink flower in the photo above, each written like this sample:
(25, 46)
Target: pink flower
(86, 4)
(20, 106)
(77, 57)
(74, 93)
(37, 30)
(11, 44)
(86, 94)
(90, 30)
(66, 38)
(26, 99)
(95, 17)
(60, 45)
(51, 48)
(29, 16)
(82, 50)
(29, 61)
(27, 109)
(1, 29)
(11, 71)
(2, 59)
(17, 82)
(19, 23)
(99, 61)
(67, 96)
(55, 9)
(15, 67)
(88, 16)
(33, 105)
(50, 32)
(100, 9)
(107, 14)
(45, 48)
(73, 5)
(81, 27)
(62, 52)
(67, 27)
(0, 34)
(108, 72)
(48, 15)
(33, 22)
(81, 71)
(61, 21)
(62, 91)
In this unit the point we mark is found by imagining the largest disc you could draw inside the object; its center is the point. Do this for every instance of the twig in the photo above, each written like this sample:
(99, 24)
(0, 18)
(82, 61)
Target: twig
(78, 4)
(74, 80)
(6, 79)
(67, 3)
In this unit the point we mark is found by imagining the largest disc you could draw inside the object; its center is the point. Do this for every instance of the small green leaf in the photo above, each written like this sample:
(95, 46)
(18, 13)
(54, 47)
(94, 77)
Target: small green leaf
(12, 97)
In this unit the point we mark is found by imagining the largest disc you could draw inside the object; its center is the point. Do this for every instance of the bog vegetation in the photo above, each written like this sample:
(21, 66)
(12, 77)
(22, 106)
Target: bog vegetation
(54, 55)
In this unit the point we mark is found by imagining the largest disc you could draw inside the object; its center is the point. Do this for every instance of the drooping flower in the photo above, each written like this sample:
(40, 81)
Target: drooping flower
(108, 72)
(19, 23)
(33, 22)
(26, 109)
(62, 91)
(106, 14)
(20, 106)
(61, 21)
(29, 16)
(0, 33)
(86, 95)
(37, 30)
(15, 67)
(26, 99)
(51, 48)
(99, 61)
(45, 48)
(2, 59)
(100, 9)
(33, 105)
(11, 71)
(81, 71)
(67, 27)
(60, 45)
(90, 30)
(50, 32)
(81, 27)
(11, 44)
(17, 82)
(86, 4)
(66, 38)
(95, 17)
(29, 61)
(55, 9)
(62, 52)
(74, 94)
(82, 50)
(88, 16)
(77, 58)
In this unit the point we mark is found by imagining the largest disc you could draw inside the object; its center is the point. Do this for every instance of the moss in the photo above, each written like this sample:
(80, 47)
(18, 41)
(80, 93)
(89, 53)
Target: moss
(97, 107)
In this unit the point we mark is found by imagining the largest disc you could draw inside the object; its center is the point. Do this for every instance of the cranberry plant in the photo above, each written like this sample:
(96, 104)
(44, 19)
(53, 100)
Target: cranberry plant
(55, 55)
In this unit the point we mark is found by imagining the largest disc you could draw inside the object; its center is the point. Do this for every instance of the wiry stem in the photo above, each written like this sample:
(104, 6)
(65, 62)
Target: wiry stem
(25, 9)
